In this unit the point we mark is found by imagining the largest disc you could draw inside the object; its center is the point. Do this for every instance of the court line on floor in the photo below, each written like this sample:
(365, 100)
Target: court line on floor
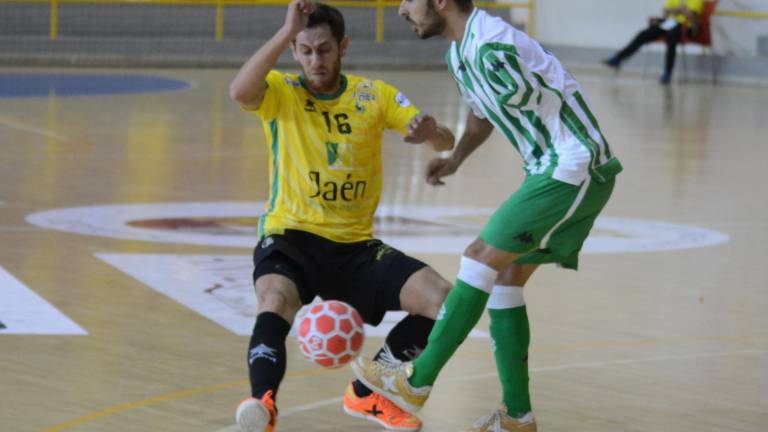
(293, 410)
(37, 131)
(586, 365)
(116, 409)
(317, 404)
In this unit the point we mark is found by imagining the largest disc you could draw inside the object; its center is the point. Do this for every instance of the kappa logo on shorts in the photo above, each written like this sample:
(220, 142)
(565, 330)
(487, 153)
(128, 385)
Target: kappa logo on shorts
(381, 251)
(524, 237)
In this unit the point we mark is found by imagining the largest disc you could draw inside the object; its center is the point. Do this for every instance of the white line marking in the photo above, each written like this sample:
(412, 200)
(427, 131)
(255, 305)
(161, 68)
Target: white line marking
(294, 410)
(620, 362)
(325, 402)
(37, 131)
(24, 312)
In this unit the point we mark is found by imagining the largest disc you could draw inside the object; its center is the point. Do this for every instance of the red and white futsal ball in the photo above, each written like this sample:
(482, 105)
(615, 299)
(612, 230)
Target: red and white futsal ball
(331, 334)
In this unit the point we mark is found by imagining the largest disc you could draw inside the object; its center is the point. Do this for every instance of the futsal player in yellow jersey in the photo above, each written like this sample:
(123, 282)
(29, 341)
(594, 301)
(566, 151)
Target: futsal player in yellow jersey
(680, 16)
(324, 132)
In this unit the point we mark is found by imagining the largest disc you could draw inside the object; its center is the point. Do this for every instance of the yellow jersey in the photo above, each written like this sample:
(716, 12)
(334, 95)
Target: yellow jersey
(696, 6)
(325, 154)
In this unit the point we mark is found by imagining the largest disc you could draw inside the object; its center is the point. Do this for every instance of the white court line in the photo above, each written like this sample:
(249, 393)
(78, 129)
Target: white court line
(293, 410)
(325, 402)
(37, 131)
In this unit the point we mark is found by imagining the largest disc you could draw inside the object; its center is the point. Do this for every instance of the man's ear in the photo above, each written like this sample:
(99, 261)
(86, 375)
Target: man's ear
(440, 5)
(344, 45)
(293, 50)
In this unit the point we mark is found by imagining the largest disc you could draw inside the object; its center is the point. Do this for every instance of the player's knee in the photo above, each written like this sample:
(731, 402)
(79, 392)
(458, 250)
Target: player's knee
(488, 255)
(479, 251)
(424, 293)
(442, 288)
(280, 298)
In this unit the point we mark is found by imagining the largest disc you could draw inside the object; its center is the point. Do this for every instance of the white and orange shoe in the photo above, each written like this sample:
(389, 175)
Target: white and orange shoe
(380, 410)
(254, 415)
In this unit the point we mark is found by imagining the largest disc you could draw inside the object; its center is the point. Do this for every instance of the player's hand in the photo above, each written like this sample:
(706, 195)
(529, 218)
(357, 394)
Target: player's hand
(439, 168)
(297, 16)
(420, 129)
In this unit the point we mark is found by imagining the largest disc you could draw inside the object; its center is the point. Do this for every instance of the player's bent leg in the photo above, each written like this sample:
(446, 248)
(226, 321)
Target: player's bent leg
(424, 292)
(510, 333)
(412, 286)
(409, 385)
(404, 343)
(278, 294)
(462, 308)
(279, 301)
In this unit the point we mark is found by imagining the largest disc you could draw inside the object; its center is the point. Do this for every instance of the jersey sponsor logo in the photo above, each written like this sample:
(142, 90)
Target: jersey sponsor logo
(310, 106)
(292, 82)
(402, 100)
(362, 96)
(332, 152)
(348, 190)
(339, 156)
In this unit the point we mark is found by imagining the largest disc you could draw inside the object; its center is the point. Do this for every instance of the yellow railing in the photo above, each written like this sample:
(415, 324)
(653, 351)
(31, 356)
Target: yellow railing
(379, 5)
(742, 14)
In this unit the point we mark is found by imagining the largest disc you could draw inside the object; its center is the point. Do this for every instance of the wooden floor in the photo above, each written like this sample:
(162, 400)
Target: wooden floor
(139, 325)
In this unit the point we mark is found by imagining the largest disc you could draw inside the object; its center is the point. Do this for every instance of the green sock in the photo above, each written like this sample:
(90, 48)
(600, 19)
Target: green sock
(511, 335)
(461, 310)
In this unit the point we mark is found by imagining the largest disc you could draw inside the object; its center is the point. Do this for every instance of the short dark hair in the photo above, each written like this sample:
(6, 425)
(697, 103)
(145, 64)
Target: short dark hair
(464, 5)
(325, 14)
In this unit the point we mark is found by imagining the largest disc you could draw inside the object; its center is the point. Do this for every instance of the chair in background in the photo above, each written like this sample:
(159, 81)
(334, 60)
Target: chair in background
(702, 37)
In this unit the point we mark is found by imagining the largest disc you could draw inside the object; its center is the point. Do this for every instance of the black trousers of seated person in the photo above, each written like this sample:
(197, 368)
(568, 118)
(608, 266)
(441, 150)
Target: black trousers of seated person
(651, 34)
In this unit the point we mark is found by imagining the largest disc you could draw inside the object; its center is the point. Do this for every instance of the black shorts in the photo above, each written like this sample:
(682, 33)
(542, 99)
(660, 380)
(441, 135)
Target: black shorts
(368, 275)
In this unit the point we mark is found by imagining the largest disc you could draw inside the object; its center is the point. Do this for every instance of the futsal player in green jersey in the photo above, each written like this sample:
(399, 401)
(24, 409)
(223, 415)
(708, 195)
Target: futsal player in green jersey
(324, 132)
(514, 85)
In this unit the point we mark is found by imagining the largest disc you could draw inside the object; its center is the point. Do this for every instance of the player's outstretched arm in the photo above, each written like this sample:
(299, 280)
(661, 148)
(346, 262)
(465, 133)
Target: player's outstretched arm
(249, 85)
(477, 130)
(424, 128)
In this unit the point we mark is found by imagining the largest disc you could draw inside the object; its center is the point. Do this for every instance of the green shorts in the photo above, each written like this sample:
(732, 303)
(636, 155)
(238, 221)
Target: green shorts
(546, 220)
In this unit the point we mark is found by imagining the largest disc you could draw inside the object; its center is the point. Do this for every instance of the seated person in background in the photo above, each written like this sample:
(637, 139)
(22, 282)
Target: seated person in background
(679, 16)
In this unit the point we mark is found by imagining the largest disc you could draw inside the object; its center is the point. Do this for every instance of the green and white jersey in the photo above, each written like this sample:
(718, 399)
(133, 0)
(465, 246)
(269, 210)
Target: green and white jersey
(511, 80)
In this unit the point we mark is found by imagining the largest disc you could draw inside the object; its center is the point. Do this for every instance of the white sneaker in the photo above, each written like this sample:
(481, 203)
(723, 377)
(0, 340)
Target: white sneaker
(255, 415)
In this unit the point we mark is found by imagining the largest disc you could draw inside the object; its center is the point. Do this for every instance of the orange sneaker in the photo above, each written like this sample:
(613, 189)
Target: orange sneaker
(255, 415)
(380, 410)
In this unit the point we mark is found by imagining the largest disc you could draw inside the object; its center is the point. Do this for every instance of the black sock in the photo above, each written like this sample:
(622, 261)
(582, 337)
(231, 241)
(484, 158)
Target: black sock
(405, 342)
(266, 353)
